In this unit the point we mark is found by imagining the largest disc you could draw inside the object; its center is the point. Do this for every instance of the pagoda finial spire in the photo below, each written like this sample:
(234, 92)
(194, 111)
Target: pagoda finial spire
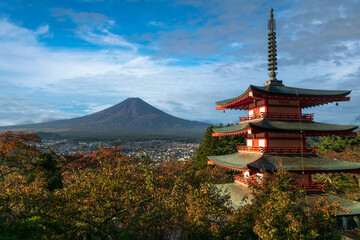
(272, 52)
(271, 23)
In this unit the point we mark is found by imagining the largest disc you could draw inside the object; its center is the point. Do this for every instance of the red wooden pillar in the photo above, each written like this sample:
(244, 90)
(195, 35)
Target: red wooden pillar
(266, 140)
(310, 179)
(303, 141)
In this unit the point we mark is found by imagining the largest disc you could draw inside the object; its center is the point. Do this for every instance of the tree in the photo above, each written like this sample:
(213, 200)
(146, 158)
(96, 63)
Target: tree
(47, 164)
(336, 143)
(23, 186)
(347, 149)
(280, 213)
(18, 152)
(211, 146)
(109, 195)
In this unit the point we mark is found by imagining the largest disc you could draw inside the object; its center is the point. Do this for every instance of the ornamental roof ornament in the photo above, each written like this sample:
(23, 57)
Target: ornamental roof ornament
(272, 53)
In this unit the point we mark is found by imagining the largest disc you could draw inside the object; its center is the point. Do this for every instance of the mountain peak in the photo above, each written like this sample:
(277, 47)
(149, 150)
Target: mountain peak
(133, 99)
(133, 116)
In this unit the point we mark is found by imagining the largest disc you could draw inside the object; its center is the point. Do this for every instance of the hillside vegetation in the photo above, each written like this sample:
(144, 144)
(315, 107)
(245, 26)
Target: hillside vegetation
(346, 185)
(108, 195)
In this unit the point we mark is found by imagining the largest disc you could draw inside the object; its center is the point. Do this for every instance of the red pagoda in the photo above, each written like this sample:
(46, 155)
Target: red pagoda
(276, 128)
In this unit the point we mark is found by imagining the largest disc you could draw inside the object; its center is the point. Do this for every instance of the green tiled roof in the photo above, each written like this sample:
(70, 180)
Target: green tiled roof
(236, 160)
(276, 125)
(307, 126)
(352, 206)
(291, 162)
(301, 91)
(233, 128)
(290, 91)
(309, 162)
(237, 193)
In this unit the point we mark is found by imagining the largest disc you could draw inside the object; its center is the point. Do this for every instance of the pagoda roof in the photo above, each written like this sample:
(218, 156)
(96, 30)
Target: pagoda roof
(302, 91)
(284, 126)
(291, 162)
(233, 128)
(238, 192)
(288, 91)
(227, 101)
(353, 207)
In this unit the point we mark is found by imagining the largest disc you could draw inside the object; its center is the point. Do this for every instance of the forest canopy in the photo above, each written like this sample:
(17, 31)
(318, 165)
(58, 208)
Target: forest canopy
(109, 195)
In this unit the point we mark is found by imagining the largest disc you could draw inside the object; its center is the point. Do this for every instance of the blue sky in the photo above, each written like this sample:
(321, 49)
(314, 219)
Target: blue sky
(63, 59)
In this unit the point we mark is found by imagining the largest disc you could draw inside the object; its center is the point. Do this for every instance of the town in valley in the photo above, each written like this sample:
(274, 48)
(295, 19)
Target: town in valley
(156, 150)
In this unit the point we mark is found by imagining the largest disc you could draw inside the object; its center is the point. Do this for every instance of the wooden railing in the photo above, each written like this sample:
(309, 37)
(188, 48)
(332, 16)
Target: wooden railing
(241, 180)
(314, 187)
(277, 149)
(278, 115)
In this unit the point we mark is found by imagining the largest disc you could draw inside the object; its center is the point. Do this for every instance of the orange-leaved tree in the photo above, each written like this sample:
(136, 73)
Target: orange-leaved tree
(25, 183)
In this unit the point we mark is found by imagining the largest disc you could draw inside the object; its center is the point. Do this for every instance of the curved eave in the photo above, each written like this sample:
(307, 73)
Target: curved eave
(229, 134)
(308, 97)
(308, 102)
(306, 127)
(227, 167)
(226, 104)
(306, 163)
(302, 92)
(237, 129)
(236, 161)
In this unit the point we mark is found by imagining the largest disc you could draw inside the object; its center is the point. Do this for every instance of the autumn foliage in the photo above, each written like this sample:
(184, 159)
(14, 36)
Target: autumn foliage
(108, 195)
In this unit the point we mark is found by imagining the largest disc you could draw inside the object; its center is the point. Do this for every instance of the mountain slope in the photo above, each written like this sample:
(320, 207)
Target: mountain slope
(128, 118)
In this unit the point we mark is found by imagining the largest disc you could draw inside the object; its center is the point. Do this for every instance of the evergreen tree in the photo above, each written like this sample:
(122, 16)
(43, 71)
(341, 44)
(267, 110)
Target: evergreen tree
(47, 163)
(212, 146)
(337, 143)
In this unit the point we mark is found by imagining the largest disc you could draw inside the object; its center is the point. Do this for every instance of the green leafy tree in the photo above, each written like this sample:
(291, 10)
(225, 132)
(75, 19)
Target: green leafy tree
(336, 143)
(47, 164)
(280, 213)
(343, 148)
(23, 187)
(211, 146)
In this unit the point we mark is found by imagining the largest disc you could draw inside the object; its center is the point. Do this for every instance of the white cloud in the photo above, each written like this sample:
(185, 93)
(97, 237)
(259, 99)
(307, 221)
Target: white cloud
(94, 107)
(156, 24)
(22, 110)
(236, 45)
(31, 64)
(9, 32)
(105, 38)
(44, 29)
(94, 28)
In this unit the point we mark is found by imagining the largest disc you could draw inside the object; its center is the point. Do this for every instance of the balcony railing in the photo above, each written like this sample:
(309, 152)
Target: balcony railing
(278, 115)
(277, 149)
(310, 187)
(314, 187)
(241, 180)
(245, 181)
